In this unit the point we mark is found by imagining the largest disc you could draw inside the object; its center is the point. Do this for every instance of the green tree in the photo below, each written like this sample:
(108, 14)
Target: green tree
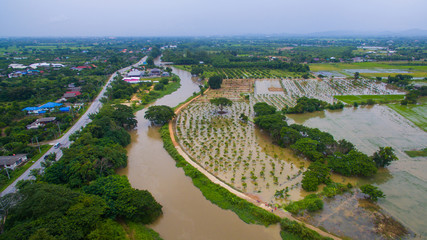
(356, 75)
(63, 213)
(164, 81)
(262, 108)
(108, 230)
(384, 156)
(221, 102)
(215, 82)
(354, 163)
(159, 114)
(373, 192)
(159, 86)
(124, 201)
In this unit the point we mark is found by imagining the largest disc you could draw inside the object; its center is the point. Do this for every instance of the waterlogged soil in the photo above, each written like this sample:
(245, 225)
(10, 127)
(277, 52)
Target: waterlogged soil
(238, 153)
(404, 182)
(186, 212)
(352, 216)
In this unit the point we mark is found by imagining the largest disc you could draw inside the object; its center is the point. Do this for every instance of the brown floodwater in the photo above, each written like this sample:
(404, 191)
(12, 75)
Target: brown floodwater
(405, 181)
(186, 212)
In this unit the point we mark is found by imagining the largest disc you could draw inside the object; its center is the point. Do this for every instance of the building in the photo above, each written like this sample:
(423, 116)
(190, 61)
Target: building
(132, 79)
(12, 162)
(42, 109)
(135, 73)
(155, 72)
(165, 74)
(17, 66)
(41, 122)
(71, 94)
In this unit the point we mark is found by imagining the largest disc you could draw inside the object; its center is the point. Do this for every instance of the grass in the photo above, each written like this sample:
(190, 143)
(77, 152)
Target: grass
(416, 113)
(218, 195)
(350, 99)
(293, 230)
(414, 74)
(169, 88)
(19, 171)
(417, 153)
(137, 231)
(367, 65)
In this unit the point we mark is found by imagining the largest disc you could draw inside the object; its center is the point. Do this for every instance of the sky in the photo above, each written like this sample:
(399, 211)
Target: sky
(65, 18)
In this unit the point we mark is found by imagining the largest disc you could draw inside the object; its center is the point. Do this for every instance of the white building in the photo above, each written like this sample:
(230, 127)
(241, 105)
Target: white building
(12, 161)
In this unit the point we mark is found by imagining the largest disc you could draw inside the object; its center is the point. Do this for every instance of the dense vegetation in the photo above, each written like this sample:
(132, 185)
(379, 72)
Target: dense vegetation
(305, 104)
(322, 149)
(294, 230)
(159, 114)
(75, 197)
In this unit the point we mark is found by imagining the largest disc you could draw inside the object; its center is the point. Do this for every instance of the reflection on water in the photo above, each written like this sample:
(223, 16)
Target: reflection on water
(404, 182)
(187, 214)
(352, 216)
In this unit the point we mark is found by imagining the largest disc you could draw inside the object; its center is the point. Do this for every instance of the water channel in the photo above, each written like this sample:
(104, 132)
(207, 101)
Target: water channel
(186, 212)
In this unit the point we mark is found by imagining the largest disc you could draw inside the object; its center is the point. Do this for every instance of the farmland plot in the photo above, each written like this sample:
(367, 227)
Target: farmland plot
(237, 152)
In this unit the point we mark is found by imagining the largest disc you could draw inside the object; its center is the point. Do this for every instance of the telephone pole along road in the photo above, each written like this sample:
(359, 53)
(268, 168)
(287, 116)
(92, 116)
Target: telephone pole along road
(64, 140)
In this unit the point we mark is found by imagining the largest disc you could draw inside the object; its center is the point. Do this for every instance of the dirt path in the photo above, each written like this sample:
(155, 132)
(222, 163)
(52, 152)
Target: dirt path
(254, 200)
(338, 208)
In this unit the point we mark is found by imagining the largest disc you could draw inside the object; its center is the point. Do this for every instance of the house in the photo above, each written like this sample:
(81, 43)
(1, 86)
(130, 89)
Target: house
(16, 74)
(42, 109)
(71, 94)
(64, 109)
(132, 79)
(41, 122)
(12, 161)
(165, 74)
(79, 68)
(135, 73)
(17, 66)
(155, 72)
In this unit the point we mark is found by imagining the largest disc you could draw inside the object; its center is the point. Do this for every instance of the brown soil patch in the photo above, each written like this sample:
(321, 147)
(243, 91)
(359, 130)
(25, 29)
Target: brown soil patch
(231, 89)
(273, 89)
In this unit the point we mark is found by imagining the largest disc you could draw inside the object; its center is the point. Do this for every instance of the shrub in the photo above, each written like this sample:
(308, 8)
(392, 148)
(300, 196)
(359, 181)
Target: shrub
(373, 192)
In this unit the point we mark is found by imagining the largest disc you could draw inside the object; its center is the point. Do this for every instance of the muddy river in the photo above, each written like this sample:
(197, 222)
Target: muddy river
(186, 212)
(404, 181)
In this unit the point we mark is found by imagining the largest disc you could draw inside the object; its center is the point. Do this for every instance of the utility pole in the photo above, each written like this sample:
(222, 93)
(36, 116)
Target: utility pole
(57, 123)
(38, 144)
(7, 173)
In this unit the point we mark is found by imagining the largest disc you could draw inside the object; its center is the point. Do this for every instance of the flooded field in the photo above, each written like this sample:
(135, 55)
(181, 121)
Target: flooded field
(405, 182)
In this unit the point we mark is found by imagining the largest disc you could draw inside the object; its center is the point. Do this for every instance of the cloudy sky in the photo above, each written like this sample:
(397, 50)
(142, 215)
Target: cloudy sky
(206, 17)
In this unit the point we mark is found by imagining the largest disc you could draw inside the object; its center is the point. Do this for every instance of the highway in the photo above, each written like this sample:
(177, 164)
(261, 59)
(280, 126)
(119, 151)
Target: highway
(64, 140)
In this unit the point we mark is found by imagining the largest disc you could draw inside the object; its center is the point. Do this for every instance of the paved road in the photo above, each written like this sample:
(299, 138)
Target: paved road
(64, 140)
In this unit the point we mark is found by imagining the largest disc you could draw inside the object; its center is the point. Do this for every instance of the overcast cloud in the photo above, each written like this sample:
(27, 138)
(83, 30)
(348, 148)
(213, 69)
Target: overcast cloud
(206, 17)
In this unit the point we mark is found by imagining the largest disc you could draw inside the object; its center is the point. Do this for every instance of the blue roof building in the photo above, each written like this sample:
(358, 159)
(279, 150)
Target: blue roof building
(64, 109)
(31, 109)
(50, 105)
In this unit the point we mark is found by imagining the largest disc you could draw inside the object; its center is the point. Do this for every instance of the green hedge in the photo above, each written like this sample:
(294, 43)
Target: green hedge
(294, 230)
(218, 195)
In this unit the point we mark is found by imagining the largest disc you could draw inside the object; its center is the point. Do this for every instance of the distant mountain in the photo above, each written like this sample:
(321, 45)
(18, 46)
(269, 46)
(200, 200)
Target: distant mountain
(406, 33)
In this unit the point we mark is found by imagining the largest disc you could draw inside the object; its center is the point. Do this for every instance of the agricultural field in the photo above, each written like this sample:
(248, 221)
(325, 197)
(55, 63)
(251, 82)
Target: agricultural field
(238, 153)
(416, 113)
(245, 73)
(373, 69)
(231, 89)
(349, 99)
(325, 90)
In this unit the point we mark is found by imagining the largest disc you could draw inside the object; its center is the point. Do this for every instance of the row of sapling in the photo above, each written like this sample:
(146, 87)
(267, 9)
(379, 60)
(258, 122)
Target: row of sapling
(238, 156)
